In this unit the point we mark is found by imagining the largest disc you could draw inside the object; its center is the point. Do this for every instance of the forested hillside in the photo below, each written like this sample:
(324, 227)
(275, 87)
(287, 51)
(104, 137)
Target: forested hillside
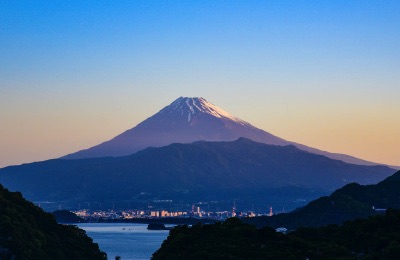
(27, 232)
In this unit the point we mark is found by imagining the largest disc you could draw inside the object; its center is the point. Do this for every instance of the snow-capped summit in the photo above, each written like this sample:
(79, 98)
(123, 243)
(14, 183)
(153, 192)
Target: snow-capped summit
(190, 107)
(187, 120)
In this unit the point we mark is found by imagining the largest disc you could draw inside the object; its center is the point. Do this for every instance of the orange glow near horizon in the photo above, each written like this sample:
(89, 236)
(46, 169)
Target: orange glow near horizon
(33, 136)
(321, 73)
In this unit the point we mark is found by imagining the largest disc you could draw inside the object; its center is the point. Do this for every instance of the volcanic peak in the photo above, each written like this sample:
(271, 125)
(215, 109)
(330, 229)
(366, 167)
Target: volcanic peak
(196, 105)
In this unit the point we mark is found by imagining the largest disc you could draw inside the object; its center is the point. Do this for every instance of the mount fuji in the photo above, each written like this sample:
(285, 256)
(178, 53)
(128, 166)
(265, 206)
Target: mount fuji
(187, 120)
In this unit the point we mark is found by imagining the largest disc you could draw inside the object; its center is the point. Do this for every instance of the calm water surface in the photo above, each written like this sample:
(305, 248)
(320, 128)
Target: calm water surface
(130, 241)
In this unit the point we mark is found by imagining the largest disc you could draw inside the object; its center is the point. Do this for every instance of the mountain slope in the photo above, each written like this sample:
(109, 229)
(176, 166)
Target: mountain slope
(350, 202)
(197, 171)
(187, 120)
(27, 232)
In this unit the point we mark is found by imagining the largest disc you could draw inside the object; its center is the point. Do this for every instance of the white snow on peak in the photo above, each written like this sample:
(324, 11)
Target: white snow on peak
(200, 105)
(190, 107)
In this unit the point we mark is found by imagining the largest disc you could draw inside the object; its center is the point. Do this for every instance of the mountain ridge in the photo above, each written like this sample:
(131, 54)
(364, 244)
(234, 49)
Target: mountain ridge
(197, 171)
(349, 202)
(187, 120)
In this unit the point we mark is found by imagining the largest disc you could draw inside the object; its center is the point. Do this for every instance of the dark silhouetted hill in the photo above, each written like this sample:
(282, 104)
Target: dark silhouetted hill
(350, 202)
(377, 237)
(66, 216)
(27, 232)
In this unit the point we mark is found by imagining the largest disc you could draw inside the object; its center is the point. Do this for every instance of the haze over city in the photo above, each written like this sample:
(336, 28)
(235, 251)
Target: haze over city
(324, 74)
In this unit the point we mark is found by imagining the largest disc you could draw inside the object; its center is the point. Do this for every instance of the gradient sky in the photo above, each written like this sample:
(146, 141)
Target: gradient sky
(322, 73)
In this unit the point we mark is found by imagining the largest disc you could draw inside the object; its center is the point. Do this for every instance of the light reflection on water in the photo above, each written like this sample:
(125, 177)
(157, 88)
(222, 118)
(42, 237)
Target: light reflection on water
(130, 241)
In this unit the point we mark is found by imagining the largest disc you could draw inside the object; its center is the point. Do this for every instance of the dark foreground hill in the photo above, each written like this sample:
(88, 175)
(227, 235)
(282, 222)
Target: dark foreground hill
(375, 238)
(27, 232)
(67, 217)
(350, 202)
(199, 171)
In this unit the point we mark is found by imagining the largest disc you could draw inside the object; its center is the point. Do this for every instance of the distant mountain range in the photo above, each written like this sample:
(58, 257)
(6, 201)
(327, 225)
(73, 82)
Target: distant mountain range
(350, 202)
(191, 172)
(187, 120)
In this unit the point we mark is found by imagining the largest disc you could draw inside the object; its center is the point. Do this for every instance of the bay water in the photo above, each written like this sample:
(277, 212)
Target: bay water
(129, 241)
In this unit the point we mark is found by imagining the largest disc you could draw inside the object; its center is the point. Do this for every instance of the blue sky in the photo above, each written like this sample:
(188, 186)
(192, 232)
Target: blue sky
(322, 73)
